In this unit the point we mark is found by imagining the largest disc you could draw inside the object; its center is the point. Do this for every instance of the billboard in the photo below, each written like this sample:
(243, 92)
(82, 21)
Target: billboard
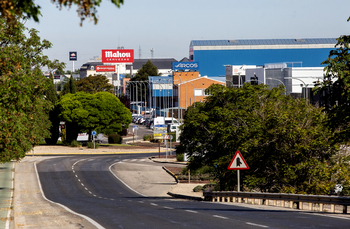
(105, 68)
(185, 66)
(117, 56)
(73, 56)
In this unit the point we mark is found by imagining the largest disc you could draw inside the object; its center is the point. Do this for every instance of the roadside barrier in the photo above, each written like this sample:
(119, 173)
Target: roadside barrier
(296, 201)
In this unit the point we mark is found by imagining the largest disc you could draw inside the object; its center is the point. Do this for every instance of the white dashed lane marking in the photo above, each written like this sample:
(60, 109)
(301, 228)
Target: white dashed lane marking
(258, 225)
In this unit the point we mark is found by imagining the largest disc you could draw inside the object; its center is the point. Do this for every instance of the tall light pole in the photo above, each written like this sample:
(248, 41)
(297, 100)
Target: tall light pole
(305, 85)
(181, 95)
(285, 92)
(194, 93)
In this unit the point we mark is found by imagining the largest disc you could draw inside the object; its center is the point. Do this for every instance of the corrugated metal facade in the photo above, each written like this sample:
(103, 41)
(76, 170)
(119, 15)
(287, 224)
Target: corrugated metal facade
(213, 55)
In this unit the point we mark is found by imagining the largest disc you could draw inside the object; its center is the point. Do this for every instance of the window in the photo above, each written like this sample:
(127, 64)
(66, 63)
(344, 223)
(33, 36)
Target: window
(198, 92)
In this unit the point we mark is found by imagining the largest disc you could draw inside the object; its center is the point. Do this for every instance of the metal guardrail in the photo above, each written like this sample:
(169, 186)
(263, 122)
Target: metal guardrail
(295, 200)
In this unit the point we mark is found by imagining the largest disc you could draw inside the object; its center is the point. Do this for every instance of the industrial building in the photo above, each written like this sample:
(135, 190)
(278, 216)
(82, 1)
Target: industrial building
(214, 55)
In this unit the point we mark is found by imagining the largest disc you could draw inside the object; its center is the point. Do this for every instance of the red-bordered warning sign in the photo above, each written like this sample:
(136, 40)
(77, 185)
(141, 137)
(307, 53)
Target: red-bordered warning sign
(238, 162)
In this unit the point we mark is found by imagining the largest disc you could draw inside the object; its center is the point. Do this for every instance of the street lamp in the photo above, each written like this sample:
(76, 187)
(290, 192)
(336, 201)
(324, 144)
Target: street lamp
(285, 92)
(194, 93)
(305, 85)
(180, 116)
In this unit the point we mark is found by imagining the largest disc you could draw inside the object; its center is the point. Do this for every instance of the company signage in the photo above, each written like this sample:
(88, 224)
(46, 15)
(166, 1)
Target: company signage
(117, 56)
(105, 68)
(73, 56)
(185, 66)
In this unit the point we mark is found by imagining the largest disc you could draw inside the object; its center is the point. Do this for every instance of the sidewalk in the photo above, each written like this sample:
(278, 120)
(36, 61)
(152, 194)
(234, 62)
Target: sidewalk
(6, 194)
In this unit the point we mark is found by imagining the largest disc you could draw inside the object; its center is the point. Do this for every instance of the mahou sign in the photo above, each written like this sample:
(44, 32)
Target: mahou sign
(117, 56)
(105, 68)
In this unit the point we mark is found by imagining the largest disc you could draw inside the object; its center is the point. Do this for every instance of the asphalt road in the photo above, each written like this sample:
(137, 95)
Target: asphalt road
(86, 185)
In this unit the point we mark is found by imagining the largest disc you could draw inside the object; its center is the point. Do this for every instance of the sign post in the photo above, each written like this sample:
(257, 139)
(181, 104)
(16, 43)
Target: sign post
(136, 127)
(93, 137)
(238, 163)
(73, 57)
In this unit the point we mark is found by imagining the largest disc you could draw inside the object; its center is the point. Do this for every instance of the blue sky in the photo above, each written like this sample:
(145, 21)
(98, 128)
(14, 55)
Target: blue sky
(169, 26)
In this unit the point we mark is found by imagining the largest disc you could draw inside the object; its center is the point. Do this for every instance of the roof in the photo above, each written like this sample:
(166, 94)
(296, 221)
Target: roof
(264, 42)
(161, 63)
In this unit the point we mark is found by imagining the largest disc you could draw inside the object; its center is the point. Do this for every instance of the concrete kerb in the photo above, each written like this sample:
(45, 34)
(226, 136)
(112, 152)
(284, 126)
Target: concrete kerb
(92, 153)
(185, 197)
(171, 173)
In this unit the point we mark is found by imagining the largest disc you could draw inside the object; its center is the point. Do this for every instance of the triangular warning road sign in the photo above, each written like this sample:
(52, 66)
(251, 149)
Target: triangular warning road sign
(238, 162)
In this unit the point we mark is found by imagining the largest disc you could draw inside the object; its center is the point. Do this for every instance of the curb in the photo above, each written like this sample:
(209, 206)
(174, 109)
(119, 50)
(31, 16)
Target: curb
(154, 159)
(90, 153)
(172, 174)
(185, 197)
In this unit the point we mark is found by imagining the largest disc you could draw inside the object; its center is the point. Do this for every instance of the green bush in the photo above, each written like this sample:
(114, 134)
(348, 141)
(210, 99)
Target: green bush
(198, 188)
(174, 136)
(208, 187)
(148, 137)
(75, 143)
(179, 156)
(115, 139)
(91, 145)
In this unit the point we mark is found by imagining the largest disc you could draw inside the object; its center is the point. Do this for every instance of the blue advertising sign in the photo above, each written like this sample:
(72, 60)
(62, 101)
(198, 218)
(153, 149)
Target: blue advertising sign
(185, 66)
(73, 56)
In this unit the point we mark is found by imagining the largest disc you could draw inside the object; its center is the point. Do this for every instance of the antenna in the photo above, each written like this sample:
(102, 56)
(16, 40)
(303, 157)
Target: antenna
(140, 54)
(152, 51)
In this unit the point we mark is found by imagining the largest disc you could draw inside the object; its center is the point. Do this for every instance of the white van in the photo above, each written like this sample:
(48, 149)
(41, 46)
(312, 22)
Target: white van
(162, 121)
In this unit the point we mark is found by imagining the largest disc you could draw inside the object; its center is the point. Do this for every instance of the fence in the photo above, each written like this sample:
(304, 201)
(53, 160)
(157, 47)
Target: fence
(293, 200)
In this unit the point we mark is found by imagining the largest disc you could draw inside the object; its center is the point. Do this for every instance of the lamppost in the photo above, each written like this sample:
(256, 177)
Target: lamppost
(285, 92)
(180, 117)
(305, 85)
(194, 93)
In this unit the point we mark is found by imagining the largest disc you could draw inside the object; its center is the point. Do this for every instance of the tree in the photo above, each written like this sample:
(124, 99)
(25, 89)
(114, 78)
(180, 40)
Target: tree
(69, 87)
(148, 69)
(87, 112)
(11, 9)
(282, 139)
(51, 95)
(23, 108)
(336, 90)
(94, 84)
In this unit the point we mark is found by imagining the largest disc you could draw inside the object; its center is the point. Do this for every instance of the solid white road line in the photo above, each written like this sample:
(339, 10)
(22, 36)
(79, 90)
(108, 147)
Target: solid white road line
(110, 169)
(61, 205)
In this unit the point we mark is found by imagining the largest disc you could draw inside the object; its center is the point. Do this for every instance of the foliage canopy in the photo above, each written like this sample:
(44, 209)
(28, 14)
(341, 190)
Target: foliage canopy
(336, 90)
(23, 107)
(87, 112)
(11, 9)
(282, 139)
(94, 84)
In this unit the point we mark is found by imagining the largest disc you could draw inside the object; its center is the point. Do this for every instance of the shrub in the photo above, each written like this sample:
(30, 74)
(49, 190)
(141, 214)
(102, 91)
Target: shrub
(115, 139)
(147, 137)
(174, 136)
(179, 156)
(208, 187)
(124, 132)
(91, 145)
(198, 188)
(75, 143)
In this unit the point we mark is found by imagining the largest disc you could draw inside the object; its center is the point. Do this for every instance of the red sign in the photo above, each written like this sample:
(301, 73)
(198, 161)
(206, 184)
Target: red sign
(238, 162)
(105, 68)
(117, 56)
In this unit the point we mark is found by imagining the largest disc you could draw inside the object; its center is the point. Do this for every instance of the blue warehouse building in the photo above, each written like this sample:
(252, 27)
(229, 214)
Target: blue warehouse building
(213, 55)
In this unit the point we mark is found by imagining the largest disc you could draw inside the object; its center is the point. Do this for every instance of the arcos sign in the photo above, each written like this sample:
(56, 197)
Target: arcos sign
(117, 56)
(185, 66)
